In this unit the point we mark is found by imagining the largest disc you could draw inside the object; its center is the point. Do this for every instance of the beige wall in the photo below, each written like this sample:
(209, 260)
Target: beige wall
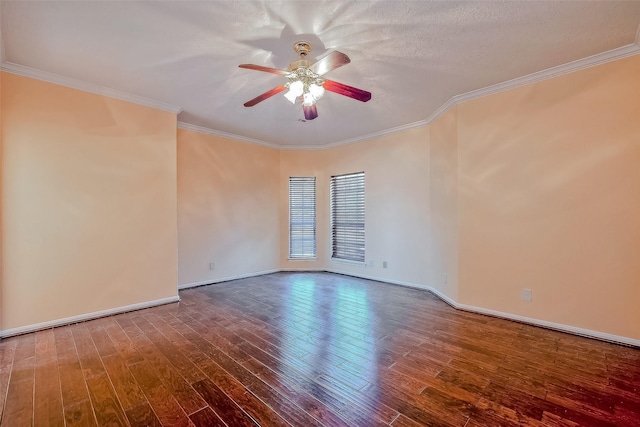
(227, 208)
(304, 163)
(443, 183)
(89, 203)
(397, 204)
(549, 199)
(1, 177)
(535, 187)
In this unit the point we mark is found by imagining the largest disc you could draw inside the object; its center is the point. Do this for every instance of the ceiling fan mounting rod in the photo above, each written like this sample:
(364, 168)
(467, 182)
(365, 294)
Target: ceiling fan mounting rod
(302, 48)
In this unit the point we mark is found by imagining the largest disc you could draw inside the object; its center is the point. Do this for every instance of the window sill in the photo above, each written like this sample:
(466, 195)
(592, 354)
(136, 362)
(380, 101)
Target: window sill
(303, 259)
(348, 262)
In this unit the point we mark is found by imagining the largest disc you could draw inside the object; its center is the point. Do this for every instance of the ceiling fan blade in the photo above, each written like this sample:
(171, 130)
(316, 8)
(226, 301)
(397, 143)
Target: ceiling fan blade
(264, 96)
(310, 111)
(265, 69)
(330, 62)
(350, 91)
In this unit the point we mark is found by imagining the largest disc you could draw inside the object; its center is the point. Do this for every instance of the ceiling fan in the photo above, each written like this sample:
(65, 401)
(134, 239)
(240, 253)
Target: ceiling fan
(306, 82)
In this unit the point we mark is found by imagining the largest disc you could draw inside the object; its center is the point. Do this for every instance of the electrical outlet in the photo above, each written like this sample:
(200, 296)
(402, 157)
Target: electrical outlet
(212, 266)
(444, 278)
(526, 295)
(385, 264)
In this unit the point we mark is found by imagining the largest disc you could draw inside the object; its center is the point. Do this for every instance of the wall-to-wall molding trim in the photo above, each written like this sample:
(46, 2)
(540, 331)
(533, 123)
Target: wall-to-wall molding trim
(377, 279)
(580, 64)
(87, 316)
(503, 315)
(549, 73)
(1, 42)
(226, 279)
(552, 325)
(33, 73)
(480, 310)
(209, 131)
(603, 336)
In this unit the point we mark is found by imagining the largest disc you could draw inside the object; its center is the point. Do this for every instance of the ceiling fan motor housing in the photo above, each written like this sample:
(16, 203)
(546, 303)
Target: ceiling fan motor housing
(302, 48)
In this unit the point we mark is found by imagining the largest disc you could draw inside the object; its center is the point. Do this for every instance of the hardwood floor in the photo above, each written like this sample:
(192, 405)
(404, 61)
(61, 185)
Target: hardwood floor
(312, 349)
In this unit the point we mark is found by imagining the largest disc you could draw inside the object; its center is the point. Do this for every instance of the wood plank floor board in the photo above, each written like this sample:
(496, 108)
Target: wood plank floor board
(18, 409)
(142, 416)
(45, 344)
(101, 338)
(290, 390)
(87, 353)
(72, 383)
(311, 350)
(180, 389)
(47, 394)
(105, 403)
(5, 374)
(241, 396)
(226, 363)
(224, 406)
(129, 393)
(206, 418)
(80, 414)
(124, 346)
(164, 405)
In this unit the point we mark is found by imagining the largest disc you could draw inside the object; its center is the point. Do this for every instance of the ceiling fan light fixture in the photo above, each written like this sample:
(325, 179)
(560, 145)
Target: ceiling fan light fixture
(291, 96)
(308, 99)
(305, 81)
(317, 90)
(296, 88)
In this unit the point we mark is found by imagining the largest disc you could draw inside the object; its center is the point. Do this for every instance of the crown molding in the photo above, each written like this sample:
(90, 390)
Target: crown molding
(209, 131)
(580, 64)
(570, 67)
(33, 73)
(1, 40)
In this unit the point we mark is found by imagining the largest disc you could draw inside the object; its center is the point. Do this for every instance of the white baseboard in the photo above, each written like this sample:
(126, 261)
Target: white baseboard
(226, 279)
(379, 279)
(87, 316)
(443, 297)
(509, 316)
(537, 322)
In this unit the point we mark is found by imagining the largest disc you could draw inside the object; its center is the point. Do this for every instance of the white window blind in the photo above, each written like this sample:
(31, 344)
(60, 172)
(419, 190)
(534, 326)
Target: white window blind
(302, 217)
(347, 217)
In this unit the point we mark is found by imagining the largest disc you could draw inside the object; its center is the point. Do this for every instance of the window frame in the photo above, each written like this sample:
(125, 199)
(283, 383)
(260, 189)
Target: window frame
(300, 194)
(350, 201)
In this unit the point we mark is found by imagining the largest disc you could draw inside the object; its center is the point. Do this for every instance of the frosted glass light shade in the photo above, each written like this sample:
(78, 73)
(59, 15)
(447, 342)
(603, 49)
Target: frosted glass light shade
(296, 88)
(308, 99)
(316, 90)
(291, 96)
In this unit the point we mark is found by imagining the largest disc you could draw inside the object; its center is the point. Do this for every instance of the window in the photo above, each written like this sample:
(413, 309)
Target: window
(302, 217)
(347, 217)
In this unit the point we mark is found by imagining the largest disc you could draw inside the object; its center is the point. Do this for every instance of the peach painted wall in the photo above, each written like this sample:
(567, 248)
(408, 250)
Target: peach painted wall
(549, 199)
(88, 203)
(1, 133)
(397, 204)
(443, 182)
(228, 195)
(304, 163)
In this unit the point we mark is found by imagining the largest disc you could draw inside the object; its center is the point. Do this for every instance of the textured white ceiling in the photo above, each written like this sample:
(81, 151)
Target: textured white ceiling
(412, 55)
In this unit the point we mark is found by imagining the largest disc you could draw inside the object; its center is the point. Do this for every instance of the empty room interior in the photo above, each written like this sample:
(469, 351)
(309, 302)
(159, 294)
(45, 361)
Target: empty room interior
(320, 213)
